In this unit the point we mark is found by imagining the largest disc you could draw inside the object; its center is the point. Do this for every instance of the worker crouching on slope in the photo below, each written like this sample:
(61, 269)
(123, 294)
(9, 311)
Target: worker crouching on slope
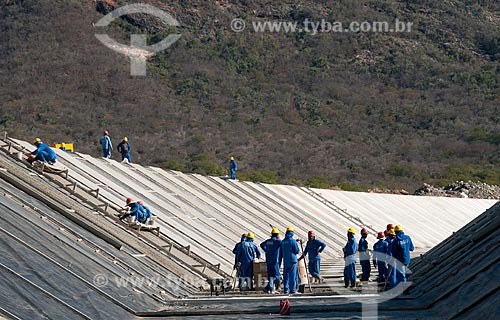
(313, 249)
(42, 153)
(272, 248)
(290, 250)
(364, 255)
(350, 259)
(380, 256)
(401, 247)
(247, 253)
(135, 210)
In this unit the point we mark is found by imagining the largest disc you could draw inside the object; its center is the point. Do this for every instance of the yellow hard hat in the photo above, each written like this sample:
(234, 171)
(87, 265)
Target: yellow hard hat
(398, 228)
(37, 140)
(275, 230)
(391, 232)
(250, 235)
(232, 158)
(351, 230)
(125, 139)
(289, 229)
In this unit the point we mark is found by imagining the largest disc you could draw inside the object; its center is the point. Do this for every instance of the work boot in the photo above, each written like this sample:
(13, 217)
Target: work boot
(346, 283)
(353, 284)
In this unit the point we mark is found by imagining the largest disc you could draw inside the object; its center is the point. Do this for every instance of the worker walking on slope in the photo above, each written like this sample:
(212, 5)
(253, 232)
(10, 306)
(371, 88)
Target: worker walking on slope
(290, 250)
(380, 256)
(272, 248)
(42, 153)
(350, 259)
(124, 148)
(401, 248)
(247, 253)
(233, 167)
(313, 249)
(237, 263)
(106, 144)
(364, 255)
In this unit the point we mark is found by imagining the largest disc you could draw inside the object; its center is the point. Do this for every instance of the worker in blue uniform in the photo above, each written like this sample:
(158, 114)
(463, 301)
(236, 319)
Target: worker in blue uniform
(290, 250)
(313, 249)
(42, 153)
(391, 263)
(136, 210)
(233, 167)
(272, 248)
(237, 263)
(380, 256)
(364, 255)
(350, 259)
(401, 248)
(106, 144)
(124, 148)
(247, 253)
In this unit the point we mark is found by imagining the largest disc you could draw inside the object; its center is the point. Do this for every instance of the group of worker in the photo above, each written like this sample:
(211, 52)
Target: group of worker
(138, 211)
(277, 251)
(391, 256)
(123, 147)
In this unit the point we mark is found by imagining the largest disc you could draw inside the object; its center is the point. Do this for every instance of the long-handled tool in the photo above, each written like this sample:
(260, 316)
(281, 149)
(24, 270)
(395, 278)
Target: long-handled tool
(391, 268)
(305, 264)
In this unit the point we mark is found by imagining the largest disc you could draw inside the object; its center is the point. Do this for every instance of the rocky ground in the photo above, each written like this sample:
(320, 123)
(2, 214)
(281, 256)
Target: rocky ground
(461, 189)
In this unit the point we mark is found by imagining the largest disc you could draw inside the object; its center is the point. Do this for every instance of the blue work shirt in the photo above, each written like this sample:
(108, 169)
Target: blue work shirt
(124, 147)
(401, 247)
(381, 247)
(363, 245)
(47, 152)
(236, 248)
(313, 249)
(289, 249)
(272, 248)
(350, 250)
(247, 252)
(105, 141)
(233, 166)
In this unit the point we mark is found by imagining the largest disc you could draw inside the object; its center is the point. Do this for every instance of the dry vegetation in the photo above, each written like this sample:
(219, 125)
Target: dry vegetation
(355, 110)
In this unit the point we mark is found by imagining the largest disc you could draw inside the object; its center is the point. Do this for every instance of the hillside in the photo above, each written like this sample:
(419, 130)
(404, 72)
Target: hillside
(359, 110)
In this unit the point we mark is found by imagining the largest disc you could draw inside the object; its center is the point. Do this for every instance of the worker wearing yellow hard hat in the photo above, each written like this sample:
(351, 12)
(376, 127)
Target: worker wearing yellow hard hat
(272, 249)
(42, 153)
(233, 167)
(400, 249)
(246, 254)
(390, 238)
(290, 250)
(124, 148)
(350, 259)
